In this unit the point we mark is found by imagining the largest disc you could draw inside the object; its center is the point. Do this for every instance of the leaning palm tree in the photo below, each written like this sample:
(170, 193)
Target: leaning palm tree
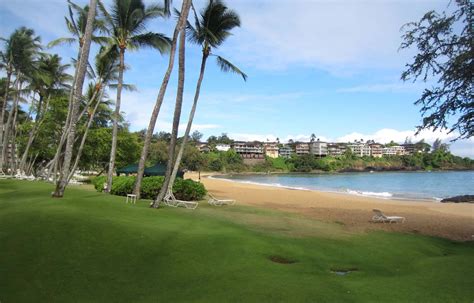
(21, 50)
(49, 77)
(176, 116)
(74, 109)
(127, 21)
(180, 24)
(76, 25)
(106, 69)
(210, 31)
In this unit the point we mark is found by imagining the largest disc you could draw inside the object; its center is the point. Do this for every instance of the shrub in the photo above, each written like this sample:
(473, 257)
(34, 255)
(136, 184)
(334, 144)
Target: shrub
(187, 190)
(121, 186)
(151, 187)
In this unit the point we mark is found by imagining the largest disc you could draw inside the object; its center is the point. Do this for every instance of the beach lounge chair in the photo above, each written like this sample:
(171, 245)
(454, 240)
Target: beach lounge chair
(381, 218)
(170, 200)
(219, 202)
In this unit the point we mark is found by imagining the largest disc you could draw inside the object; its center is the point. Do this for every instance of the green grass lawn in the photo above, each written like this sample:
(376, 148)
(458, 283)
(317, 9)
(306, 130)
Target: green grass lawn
(92, 247)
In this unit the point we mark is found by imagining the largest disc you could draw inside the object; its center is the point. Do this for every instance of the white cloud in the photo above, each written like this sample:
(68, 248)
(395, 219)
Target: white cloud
(338, 36)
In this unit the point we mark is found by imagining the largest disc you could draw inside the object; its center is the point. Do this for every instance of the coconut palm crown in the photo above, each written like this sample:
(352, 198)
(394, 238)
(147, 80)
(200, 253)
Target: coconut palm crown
(212, 27)
(127, 22)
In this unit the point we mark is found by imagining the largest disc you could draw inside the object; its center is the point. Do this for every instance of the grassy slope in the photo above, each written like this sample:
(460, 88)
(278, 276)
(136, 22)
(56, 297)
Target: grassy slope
(93, 247)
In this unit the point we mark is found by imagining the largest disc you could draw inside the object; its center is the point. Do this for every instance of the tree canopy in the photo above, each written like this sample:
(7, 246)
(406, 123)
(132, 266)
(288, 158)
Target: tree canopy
(446, 56)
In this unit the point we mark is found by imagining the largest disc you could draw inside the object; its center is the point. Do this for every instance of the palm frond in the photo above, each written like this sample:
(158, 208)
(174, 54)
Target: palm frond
(61, 41)
(226, 66)
(154, 40)
(128, 87)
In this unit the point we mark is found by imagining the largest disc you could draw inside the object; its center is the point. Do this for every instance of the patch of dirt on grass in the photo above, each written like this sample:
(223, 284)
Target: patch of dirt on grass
(281, 260)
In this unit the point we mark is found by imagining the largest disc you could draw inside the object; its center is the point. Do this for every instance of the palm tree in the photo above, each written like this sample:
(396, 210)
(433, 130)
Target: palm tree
(127, 26)
(78, 83)
(177, 115)
(107, 69)
(48, 77)
(21, 49)
(210, 31)
(180, 24)
(76, 25)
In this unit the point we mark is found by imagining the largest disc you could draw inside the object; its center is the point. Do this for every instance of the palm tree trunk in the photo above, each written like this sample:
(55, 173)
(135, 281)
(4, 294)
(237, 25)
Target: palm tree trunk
(159, 100)
(8, 127)
(84, 137)
(62, 183)
(190, 123)
(33, 133)
(2, 113)
(177, 116)
(54, 165)
(13, 160)
(113, 150)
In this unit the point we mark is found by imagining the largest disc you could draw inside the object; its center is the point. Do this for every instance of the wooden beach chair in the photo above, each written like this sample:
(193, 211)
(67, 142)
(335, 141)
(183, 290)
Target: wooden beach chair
(219, 202)
(170, 200)
(379, 217)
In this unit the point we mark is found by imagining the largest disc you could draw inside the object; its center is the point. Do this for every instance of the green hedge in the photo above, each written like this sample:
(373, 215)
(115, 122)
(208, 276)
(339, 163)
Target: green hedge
(187, 190)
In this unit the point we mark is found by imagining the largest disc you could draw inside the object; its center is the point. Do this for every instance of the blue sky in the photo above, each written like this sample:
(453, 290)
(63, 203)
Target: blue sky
(326, 67)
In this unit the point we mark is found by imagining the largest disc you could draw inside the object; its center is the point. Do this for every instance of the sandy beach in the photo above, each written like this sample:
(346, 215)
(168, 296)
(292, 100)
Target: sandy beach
(449, 220)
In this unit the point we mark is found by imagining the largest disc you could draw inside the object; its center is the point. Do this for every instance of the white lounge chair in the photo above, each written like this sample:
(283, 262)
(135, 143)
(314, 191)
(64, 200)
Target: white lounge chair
(219, 202)
(381, 218)
(170, 200)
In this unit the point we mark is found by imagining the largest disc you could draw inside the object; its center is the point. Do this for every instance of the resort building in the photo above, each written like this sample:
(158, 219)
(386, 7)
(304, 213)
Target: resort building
(285, 151)
(359, 149)
(336, 149)
(318, 148)
(222, 147)
(302, 149)
(376, 150)
(251, 152)
(396, 150)
(271, 149)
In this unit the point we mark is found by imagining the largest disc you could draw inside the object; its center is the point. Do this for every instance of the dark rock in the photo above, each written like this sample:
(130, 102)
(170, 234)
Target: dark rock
(460, 199)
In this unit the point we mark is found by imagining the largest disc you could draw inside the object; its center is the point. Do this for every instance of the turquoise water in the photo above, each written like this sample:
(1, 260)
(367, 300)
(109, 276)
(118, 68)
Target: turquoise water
(394, 185)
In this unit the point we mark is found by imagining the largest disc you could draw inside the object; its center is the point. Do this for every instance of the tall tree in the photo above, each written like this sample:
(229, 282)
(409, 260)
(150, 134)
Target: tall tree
(176, 117)
(180, 24)
(76, 25)
(49, 76)
(78, 83)
(210, 31)
(21, 50)
(127, 21)
(445, 52)
(106, 70)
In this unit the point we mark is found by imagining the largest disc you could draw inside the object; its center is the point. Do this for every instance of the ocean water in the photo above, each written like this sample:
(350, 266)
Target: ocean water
(432, 186)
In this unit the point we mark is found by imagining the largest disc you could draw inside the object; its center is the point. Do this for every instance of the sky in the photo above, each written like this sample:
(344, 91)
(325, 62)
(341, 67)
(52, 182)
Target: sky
(331, 68)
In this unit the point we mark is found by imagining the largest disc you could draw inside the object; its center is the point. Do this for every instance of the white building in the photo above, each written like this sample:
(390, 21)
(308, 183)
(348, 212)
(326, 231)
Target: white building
(359, 149)
(318, 148)
(396, 150)
(222, 147)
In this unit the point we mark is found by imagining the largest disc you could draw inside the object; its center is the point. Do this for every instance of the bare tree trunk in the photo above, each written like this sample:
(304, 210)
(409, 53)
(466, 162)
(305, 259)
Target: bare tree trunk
(2, 113)
(177, 116)
(63, 180)
(190, 123)
(33, 133)
(84, 137)
(159, 100)
(113, 150)
(9, 126)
